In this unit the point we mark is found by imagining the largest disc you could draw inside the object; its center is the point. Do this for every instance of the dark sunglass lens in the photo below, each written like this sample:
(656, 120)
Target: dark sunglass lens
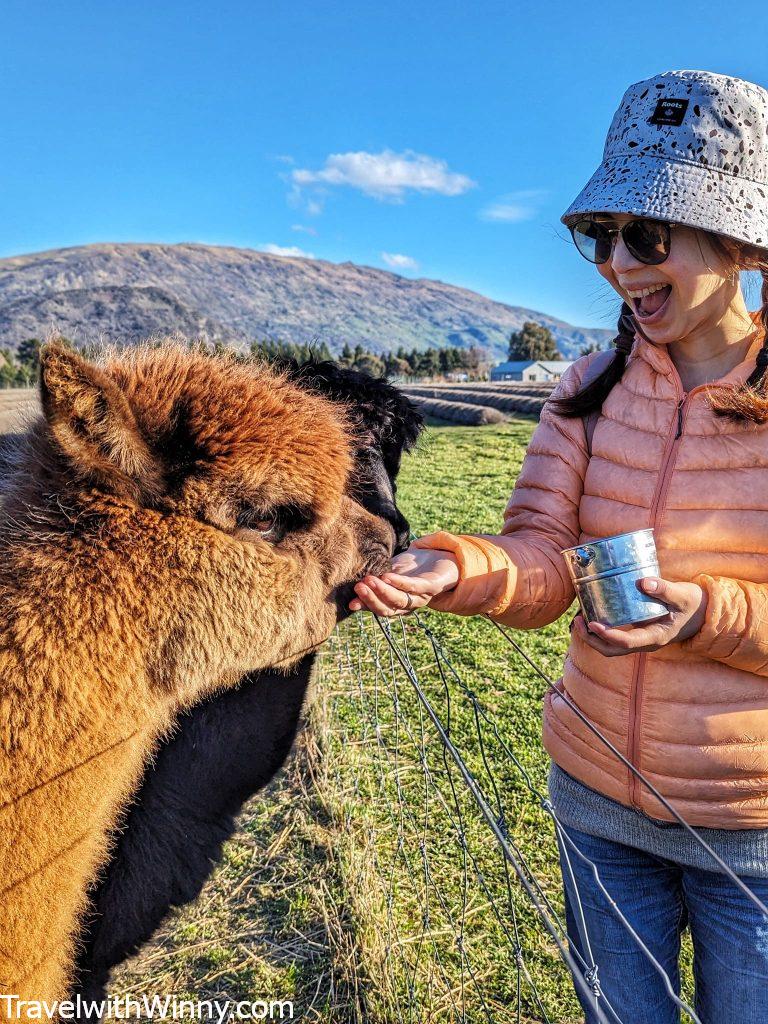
(647, 240)
(592, 240)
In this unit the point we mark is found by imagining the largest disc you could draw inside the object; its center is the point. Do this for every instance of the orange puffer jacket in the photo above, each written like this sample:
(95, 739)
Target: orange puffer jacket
(692, 716)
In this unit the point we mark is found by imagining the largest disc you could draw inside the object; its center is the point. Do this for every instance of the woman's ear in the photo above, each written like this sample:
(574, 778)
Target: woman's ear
(93, 425)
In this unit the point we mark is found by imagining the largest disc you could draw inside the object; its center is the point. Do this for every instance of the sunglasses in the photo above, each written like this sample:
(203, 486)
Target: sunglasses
(649, 241)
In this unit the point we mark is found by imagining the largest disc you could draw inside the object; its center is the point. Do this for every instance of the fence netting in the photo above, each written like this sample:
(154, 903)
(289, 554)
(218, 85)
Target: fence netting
(457, 838)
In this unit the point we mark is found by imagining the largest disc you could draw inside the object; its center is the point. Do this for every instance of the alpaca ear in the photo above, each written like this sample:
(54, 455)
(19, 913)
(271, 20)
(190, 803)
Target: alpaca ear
(93, 425)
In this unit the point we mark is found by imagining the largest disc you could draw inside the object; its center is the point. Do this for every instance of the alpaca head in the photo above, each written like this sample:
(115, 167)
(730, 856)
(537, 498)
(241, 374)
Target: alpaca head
(386, 423)
(211, 496)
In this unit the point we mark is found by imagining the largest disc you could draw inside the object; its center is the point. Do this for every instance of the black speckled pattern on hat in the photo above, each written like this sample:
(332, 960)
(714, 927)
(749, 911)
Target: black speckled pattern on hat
(689, 147)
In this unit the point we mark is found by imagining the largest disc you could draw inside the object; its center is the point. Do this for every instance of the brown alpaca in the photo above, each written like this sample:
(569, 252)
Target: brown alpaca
(172, 523)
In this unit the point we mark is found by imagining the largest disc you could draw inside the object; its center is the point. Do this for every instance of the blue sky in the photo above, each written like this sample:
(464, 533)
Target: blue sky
(442, 140)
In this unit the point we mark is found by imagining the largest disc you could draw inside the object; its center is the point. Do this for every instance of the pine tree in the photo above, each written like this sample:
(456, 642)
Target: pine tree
(28, 353)
(532, 341)
(429, 363)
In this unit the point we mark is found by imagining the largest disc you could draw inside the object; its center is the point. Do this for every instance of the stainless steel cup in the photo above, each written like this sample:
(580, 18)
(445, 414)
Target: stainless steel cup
(605, 574)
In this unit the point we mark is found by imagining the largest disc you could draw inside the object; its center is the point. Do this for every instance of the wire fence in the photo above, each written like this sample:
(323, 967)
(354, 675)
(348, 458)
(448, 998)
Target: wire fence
(460, 839)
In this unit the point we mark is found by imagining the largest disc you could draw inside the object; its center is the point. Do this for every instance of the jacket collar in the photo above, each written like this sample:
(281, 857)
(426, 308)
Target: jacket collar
(658, 357)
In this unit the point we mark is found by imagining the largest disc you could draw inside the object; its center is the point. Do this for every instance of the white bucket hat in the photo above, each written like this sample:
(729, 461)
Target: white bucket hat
(689, 147)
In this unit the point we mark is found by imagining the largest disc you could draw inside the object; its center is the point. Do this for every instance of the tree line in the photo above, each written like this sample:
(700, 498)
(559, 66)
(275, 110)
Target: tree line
(532, 342)
(19, 368)
(431, 362)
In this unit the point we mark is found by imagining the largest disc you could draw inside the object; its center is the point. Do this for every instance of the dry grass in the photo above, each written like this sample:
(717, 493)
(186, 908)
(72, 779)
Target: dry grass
(15, 405)
(275, 920)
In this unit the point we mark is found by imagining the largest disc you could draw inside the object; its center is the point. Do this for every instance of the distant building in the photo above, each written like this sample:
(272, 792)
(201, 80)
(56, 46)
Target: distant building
(531, 369)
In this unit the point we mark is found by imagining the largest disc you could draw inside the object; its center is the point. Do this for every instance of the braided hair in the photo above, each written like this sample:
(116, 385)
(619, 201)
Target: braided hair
(749, 401)
(746, 402)
(591, 397)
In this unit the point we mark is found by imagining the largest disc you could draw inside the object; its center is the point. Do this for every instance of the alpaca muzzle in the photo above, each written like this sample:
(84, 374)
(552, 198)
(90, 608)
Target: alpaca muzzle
(377, 545)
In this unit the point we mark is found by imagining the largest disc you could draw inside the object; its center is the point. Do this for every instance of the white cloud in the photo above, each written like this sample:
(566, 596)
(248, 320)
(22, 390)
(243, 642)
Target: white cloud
(385, 175)
(308, 204)
(514, 206)
(399, 262)
(286, 250)
(307, 229)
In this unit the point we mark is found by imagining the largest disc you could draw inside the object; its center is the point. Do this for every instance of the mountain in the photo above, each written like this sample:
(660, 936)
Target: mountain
(123, 292)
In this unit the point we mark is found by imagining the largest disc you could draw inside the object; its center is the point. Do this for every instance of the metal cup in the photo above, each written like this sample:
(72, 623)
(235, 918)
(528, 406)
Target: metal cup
(605, 574)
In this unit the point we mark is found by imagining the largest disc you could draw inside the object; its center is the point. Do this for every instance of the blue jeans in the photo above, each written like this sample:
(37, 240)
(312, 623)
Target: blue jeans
(659, 898)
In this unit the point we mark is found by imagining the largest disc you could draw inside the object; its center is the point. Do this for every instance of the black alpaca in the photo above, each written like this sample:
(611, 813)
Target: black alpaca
(225, 749)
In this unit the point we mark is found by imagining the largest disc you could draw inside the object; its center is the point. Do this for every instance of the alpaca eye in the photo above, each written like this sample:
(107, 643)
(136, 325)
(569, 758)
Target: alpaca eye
(275, 525)
(252, 519)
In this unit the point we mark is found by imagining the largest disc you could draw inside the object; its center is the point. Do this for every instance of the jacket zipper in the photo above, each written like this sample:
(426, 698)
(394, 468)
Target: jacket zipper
(657, 507)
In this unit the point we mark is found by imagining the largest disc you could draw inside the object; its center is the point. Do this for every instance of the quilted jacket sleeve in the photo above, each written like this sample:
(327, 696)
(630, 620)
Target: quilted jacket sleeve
(520, 577)
(735, 629)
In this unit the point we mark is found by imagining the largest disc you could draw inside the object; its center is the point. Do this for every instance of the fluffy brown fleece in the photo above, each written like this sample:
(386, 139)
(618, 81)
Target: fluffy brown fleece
(171, 523)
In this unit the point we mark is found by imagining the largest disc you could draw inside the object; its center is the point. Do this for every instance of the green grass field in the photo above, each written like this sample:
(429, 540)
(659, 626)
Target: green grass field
(364, 885)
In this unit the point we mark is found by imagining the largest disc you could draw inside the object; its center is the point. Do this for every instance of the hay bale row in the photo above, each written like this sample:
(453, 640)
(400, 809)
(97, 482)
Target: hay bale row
(520, 403)
(513, 386)
(432, 391)
(458, 412)
(533, 386)
(527, 404)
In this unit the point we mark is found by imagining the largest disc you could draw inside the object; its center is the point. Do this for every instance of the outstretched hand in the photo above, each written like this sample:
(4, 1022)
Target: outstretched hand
(687, 603)
(417, 575)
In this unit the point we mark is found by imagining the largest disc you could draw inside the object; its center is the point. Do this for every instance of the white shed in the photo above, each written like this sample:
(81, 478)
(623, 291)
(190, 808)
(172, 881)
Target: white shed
(531, 370)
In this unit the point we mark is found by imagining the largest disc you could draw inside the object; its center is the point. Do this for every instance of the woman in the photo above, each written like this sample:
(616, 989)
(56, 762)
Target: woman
(678, 206)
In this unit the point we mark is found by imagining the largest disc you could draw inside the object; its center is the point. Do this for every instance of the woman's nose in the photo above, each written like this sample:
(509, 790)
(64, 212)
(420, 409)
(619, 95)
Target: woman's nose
(622, 259)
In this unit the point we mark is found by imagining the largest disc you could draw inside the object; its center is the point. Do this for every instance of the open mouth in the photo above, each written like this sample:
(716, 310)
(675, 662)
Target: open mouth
(650, 303)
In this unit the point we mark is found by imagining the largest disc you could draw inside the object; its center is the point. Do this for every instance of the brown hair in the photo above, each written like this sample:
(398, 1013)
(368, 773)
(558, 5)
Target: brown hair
(747, 401)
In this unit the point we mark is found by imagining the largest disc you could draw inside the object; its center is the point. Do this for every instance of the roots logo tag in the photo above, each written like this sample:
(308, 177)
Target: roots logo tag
(669, 111)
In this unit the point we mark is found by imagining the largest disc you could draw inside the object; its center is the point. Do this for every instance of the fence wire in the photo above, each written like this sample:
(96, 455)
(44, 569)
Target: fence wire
(471, 922)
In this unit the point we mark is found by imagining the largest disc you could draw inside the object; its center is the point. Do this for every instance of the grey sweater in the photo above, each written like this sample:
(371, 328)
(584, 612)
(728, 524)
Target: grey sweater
(582, 808)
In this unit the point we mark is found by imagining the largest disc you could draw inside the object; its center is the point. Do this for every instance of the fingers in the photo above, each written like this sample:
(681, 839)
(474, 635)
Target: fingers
(593, 640)
(383, 599)
(613, 642)
(370, 602)
(656, 634)
(421, 585)
(667, 592)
